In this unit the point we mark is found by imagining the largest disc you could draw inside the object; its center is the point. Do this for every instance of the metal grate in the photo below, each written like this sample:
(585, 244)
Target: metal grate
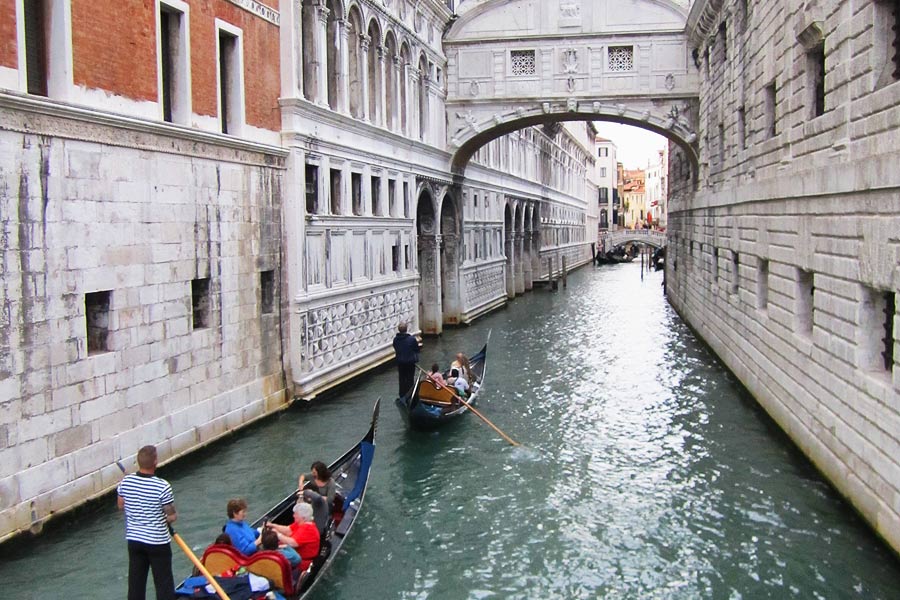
(522, 62)
(621, 58)
(890, 308)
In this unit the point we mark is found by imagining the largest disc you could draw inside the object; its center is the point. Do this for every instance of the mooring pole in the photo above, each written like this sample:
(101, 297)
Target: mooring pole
(564, 272)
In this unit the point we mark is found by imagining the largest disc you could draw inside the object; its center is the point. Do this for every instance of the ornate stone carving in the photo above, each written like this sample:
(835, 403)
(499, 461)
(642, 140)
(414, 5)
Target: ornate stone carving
(670, 82)
(572, 105)
(570, 9)
(474, 89)
(570, 61)
(545, 106)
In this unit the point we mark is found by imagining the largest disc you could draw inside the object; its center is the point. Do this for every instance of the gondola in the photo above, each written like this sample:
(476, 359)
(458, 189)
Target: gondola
(351, 474)
(427, 407)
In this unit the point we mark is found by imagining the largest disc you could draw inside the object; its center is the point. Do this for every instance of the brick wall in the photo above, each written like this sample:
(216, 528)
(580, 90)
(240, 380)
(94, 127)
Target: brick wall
(115, 43)
(8, 53)
(819, 200)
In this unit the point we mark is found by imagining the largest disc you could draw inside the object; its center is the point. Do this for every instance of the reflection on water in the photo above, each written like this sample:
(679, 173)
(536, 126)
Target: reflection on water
(646, 472)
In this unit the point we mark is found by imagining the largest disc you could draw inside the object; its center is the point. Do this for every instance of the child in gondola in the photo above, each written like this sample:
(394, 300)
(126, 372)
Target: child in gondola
(436, 376)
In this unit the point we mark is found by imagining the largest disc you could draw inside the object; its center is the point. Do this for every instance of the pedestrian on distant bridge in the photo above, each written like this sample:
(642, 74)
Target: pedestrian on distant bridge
(406, 349)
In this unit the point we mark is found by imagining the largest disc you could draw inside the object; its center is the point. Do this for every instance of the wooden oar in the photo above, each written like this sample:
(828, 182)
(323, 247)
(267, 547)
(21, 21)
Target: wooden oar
(193, 557)
(470, 407)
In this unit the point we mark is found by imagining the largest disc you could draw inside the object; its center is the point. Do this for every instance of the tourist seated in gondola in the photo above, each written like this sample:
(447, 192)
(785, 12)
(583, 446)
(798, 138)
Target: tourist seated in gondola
(436, 376)
(223, 539)
(302, 535)
(460, 366)
(461, 385)
(269, 541)
(243, 537)
(318, 489)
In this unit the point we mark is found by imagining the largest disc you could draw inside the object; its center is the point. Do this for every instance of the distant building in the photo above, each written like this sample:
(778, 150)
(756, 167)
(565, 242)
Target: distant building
(634, 198)
(606, 175)
(657, 188)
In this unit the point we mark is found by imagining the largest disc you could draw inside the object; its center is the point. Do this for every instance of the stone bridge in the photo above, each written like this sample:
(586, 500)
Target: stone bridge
(518, 63)
(610, 239)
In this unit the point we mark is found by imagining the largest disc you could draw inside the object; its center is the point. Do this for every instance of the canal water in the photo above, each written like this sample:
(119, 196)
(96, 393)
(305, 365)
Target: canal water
(646, 471)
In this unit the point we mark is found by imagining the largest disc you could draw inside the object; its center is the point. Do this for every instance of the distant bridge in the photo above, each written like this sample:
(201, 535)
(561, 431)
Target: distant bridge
(611, 239)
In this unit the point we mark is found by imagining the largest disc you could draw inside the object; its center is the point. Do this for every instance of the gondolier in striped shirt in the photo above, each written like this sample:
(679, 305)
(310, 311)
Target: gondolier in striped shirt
(149, 506)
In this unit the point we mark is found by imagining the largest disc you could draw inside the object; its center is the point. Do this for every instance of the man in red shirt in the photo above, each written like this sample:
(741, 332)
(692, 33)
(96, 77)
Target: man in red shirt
(302, 534)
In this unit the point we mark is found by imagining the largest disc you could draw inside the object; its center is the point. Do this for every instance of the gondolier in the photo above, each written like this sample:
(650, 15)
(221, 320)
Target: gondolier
(406, 350)
(149, 508)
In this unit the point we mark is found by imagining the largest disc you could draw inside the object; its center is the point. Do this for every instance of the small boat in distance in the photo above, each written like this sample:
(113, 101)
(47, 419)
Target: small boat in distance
(428, 406)
(351, 476)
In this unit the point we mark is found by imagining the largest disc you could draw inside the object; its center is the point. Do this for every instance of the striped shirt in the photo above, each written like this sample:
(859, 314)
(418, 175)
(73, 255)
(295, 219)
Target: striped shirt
(145, 496)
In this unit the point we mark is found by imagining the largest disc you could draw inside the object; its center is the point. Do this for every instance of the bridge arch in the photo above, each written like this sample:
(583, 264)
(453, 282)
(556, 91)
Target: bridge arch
(513, 64)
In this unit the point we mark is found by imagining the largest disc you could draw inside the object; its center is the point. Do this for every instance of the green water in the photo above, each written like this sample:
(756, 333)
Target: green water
(646, 472)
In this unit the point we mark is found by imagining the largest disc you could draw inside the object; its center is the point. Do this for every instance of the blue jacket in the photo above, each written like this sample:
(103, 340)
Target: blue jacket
(407, 349)
(242, 536)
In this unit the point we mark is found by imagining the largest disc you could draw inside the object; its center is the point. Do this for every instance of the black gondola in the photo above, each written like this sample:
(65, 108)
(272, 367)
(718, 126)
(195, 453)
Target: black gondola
(351, 475)
(428, 406)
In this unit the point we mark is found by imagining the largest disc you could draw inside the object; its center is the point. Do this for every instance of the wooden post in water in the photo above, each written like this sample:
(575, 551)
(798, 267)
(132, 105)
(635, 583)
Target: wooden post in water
(642, 262)
(564, 272)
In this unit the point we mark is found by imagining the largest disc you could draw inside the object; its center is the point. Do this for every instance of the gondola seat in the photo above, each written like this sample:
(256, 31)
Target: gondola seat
(430, 393)
(271, 564)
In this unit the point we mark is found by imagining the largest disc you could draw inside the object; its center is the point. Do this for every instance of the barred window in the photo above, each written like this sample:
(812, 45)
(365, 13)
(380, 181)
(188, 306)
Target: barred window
(621, 58)
(522, 62)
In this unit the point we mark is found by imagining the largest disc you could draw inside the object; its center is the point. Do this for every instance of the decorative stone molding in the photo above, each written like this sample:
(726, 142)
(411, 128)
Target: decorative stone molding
(702, 20)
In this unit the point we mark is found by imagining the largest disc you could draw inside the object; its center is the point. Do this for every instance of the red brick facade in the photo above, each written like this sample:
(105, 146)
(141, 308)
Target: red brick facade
(8, 55)
(114, 48)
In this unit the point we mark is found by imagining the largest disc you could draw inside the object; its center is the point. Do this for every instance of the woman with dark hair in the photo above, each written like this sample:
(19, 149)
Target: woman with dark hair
(319, 492)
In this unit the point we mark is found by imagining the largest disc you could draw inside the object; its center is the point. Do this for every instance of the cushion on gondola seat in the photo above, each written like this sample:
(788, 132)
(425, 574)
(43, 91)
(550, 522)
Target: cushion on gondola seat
(271, 564)
(432, 394)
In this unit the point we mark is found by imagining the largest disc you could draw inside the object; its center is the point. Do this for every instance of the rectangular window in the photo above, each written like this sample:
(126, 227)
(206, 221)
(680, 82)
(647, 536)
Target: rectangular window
(742, 127)
(715, 267)
(522, 62)
(771, 105)
(230, 82)
(804, 299)
(603, 152)
(762, 284)
(722, 152)
(376, 195)
(876, 335)
(475, 199)
(37, 28)
(392, 197)
(96, 310)
(336, 196)
(200, 305)
(406, 256)
(815, 79)
(604, 195)
(174, 63)
(406, 199)
(267, 291)
(356, 193)
(395, 257)
(312, 189)
(620, 58)
(735, 272)
(723, 39)
(602, 171)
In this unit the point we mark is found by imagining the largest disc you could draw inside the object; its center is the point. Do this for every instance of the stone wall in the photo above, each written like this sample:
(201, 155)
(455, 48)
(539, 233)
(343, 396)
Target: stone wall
(785, 257)
(141, 294)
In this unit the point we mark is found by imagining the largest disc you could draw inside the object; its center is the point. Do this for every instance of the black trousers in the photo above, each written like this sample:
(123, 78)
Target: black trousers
(156, 557)
(407, 373)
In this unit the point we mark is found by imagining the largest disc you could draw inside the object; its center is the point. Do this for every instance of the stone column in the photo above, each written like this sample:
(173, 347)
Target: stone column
(412, 102)
(450, 279)
(321, 63)
(343, 92)
(364, 43)
(381, 88)
(520, 263)
(395, 109)
(430, 309)
(426, 117)
(528, 261)
(509, 250)
(536, 253)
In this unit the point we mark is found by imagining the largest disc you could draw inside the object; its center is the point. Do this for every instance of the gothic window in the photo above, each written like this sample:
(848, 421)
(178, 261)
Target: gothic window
(620, 58)
(523, 62)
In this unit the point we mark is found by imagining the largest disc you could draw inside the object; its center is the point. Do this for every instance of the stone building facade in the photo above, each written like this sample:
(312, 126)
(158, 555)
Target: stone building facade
(228, 204)
(785, 252)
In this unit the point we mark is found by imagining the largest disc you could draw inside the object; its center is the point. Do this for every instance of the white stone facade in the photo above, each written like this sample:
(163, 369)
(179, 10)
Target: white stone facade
(606, 178)
(786, 256)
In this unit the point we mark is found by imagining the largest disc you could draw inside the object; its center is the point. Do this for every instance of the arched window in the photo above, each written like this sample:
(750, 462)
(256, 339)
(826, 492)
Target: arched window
(333, 52)
(356, 66)
(309, 50)
(390, 74)
(404, 92)
(374, 67)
